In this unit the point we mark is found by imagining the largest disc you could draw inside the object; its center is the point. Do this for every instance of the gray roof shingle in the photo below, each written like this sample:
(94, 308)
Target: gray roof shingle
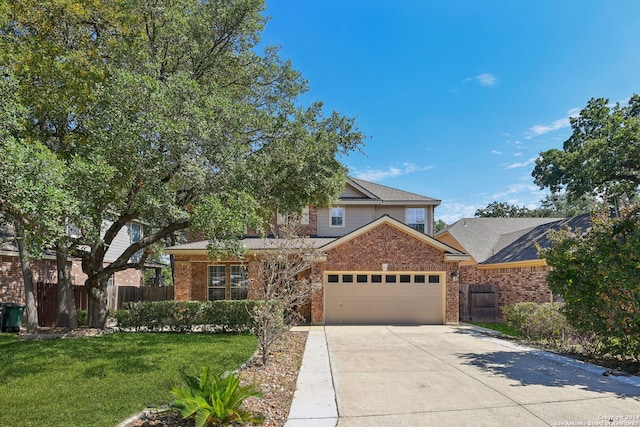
(482, 238)
(524, 247)
(389, 194)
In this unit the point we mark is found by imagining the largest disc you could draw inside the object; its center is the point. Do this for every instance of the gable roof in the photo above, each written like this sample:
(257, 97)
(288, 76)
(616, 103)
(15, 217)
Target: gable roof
(451, 254)
(524, 247)
(372, 192)
(482, 238)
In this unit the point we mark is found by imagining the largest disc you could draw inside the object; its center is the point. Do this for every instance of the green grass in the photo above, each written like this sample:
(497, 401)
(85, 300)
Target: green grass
(101, 381)
(500, 327)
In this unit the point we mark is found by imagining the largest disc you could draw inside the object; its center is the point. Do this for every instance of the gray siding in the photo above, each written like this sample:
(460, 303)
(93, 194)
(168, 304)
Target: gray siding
(119, 244)
(349, 191)
(354, 218)
(396, 212)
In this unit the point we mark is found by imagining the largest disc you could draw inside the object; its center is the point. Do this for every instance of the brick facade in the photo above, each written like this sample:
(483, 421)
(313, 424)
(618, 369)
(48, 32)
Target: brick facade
(402, 252)
(45, 270)
(366, 252)
(517, 284)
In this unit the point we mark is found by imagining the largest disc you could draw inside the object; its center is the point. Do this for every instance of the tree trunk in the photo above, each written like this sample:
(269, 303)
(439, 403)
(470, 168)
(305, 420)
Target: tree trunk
(67, 316)
(98, 311)
(27, 276)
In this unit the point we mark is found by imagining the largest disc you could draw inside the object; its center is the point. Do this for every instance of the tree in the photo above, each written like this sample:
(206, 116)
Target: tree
(284, 284)
(439, 226)
(601, 157)
(558, 205)
(166, 113)
(596, 273)
(505, 210)
(31, 198)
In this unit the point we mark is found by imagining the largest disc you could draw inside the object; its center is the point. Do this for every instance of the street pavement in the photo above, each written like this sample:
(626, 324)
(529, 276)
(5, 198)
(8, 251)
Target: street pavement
(354, 376)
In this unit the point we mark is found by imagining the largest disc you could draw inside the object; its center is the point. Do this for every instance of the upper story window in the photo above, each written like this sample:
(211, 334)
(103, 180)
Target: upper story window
(416, 218)
(135, 232)
(135, 235)
(337, 217)
(304, 217)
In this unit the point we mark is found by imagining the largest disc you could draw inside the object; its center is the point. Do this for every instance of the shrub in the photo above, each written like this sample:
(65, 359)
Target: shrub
(214, 399)
(183, 316)
(83, 320)
(541, 322)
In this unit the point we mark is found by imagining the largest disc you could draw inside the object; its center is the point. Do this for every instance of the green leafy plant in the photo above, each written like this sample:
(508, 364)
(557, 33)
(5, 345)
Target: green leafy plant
(214, 400)
(539, 322)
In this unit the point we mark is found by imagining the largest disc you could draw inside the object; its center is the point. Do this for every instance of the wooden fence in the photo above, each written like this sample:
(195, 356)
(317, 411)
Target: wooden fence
(46, 301)
(478, 303)
(143, 293)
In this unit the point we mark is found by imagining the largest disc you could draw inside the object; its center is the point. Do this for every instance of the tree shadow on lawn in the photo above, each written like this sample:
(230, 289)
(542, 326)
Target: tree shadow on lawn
(538, 367)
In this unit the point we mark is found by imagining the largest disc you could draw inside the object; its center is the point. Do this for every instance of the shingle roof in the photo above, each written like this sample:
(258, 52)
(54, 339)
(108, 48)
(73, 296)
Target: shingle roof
(524, 247)
(250, 244)
(484, 237)
(391, 194)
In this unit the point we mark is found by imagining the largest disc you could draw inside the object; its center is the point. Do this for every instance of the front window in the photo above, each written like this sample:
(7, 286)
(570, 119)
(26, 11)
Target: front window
(217, 285)
(416, 218)
(337, 217)
(227, 282)
(239, 282)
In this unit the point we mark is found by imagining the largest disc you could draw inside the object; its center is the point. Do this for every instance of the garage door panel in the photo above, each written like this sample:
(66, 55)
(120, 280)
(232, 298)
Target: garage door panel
(383, 303)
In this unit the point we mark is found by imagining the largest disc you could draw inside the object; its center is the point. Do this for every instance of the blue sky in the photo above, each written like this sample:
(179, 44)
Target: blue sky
(458, 98)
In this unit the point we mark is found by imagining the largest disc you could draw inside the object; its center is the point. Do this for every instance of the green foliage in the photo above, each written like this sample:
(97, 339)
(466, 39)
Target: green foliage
(439, 225)
(596, 272)
(601, 157)
(505, 210)
(214, 400)
(539, 322)
(83, 320)
(165, 111)
(184, 316)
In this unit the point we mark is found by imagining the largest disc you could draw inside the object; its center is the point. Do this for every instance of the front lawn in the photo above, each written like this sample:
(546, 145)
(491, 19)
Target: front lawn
(101, 381)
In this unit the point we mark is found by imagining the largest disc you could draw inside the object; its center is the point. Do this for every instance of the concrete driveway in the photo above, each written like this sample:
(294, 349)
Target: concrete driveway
(442, 375)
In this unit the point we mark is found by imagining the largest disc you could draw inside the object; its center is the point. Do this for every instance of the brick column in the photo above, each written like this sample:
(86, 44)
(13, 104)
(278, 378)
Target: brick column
(182, 281)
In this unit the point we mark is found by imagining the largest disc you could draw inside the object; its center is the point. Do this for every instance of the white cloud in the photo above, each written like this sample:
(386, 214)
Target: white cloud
(377, 175)
(452, 212)
(529, 162)
(538, 130)
(517, 154)
(484, 79)
(496, 152)
(515, 189)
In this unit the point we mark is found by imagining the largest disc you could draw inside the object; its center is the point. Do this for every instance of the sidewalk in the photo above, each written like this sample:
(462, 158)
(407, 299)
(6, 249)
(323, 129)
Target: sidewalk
(314, 402)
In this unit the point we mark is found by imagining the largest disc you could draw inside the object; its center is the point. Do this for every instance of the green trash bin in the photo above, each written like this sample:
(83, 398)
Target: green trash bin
(12, 317)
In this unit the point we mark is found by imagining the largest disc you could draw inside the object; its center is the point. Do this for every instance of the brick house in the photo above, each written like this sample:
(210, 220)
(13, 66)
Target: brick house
(45, 270)
(503, 253)
(380, 263)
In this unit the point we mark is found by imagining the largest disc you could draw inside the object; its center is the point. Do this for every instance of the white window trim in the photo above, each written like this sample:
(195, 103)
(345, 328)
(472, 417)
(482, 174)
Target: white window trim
(406, 217)
(344, 217)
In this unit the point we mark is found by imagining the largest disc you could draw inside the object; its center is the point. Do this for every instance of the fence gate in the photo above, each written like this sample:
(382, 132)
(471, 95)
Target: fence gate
(46, 300)
(478, 303)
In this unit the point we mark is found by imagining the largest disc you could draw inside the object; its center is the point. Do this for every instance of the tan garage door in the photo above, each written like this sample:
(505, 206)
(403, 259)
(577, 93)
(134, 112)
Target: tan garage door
(384, 298)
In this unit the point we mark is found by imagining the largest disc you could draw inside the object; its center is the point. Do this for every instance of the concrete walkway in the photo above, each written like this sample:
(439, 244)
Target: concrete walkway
(355, 376)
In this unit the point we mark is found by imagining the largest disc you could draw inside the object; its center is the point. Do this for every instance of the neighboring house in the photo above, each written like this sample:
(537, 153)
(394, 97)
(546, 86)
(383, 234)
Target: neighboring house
(503, 253)
(45, 270)
(380, 262)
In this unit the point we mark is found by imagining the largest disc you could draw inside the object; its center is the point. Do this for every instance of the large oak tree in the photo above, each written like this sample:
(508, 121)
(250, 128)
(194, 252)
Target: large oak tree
(600, 158)
(165, 112)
